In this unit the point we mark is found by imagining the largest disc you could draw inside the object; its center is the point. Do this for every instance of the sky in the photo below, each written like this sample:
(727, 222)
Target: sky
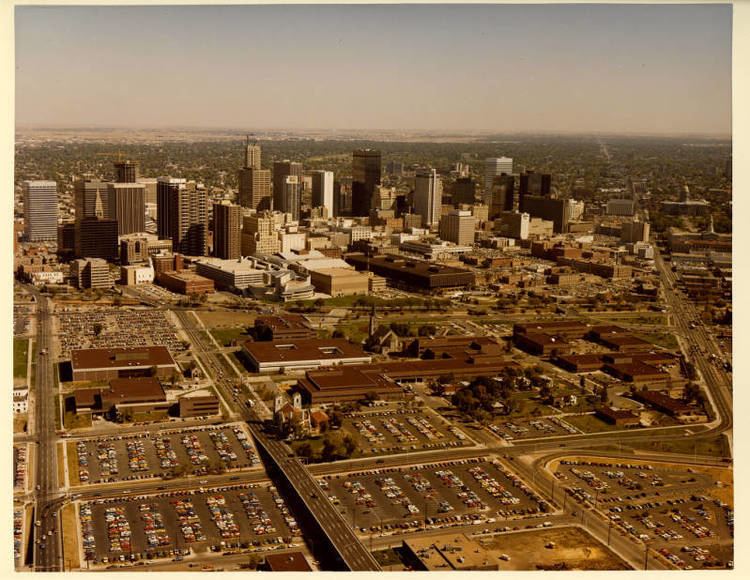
(502, 68)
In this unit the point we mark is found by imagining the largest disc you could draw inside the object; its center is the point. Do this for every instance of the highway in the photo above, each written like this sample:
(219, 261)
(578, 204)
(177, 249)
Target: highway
(48, 552)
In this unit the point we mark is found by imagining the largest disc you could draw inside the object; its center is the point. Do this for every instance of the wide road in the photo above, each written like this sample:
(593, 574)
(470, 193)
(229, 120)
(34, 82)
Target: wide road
(47, 553)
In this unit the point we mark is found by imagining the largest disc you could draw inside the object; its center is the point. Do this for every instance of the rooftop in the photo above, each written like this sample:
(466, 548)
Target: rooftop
(113, 358)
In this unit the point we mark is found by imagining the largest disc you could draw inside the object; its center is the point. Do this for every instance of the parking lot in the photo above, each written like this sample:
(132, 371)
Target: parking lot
(197, 451)
(531, 428)
(119, 327)
(437, 495)
(19, 467)
(401, 431)
(18, 533)
(175, 524)
(667, 507)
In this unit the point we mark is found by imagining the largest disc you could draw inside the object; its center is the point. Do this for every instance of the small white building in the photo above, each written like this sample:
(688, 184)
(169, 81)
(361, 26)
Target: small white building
(20, 400)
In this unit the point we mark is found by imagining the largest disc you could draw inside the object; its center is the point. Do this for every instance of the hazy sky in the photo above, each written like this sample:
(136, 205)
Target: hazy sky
(655, 69)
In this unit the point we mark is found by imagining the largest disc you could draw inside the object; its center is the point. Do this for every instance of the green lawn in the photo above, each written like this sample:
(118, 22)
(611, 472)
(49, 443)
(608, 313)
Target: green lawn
(715, 447)
(20, 357)
(225, 336)
(590, 424)
(663, 339)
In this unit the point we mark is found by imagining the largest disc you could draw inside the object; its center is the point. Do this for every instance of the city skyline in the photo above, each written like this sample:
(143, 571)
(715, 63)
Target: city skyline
(474, 69)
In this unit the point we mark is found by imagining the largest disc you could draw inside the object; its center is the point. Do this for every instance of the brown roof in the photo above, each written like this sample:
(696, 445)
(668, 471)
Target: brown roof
(114, 358)
(635, 369)
(137, 390)
(302, 349)
(86, 397)
(286, 322)
(663, 401)
(616, 413)
(289, 562)
(607, 329)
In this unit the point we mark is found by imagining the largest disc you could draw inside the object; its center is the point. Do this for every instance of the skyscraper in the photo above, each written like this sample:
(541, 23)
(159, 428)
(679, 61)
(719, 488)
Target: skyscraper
(458, 227)
(252, 154)
(254, 182)
(322, 190)
(530, 183)
(96, 238)
(126, 172)
(259, 235)
(503, 192)
(126, 203)
(90, 198)
(428, 194)
(282, 170)
(182, 215)
(464, 191)
(40, 210)
(227, 223)
(292, 196)
(494, 166)
(365, 176)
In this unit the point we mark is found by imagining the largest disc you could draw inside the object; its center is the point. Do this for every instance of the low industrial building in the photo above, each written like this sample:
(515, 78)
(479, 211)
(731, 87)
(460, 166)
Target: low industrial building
(287, 327)
(345, 384)
(636, 372)
(566, 328)
(200, 404)
(230, 274)
(185, 283)
(340, 282)
(103, 364)
(124, 396)
(541, 344)
(618, 417)
(448, 552)
(413, 273)
(287, 562)
(291, 355)
(669, 406)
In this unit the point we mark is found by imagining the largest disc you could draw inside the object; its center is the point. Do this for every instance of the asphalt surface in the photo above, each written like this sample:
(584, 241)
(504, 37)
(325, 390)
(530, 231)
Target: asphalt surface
(48, 553)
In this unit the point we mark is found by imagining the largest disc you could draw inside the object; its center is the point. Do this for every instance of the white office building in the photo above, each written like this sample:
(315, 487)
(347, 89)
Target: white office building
(40, 210)
(494, 166)
(428, 195)
(322, 190)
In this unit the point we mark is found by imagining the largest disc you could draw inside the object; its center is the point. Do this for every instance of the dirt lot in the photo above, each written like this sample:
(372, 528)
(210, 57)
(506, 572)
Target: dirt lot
(574, 549)
(70, 537)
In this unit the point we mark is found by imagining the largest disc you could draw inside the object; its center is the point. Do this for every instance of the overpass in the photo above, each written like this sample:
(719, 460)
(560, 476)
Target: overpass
(347, 553)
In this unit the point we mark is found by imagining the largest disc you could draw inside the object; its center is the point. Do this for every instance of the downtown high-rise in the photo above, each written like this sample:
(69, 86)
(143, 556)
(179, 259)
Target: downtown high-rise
(287, 193)
(182, 215)
(428, 195)
(40, 210)
(227, 228)
(366, 175)
(254, 182)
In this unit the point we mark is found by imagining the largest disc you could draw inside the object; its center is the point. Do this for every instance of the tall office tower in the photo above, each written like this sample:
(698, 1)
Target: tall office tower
(530, 183)
(96, 238)
(126, 172)
(428, 194)
(322, 190)
(365, 176)
(292, 196)
(126, 203)
(40, 210)
(252, 154)
(458, 227)
(342, 199)
(464, 191)
(227, 223)
(255, 188)
(182, 215)
(90, 198)
(282, 170)
(150, 184)
(66, 241)
(91, 273)
(503, 192)
(395, 168)
(259, 235)
(166, 188)
(493, 167)
(254, 182)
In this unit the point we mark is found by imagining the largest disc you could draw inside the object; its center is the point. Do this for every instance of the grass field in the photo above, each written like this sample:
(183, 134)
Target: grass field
(60, 465)
(73, 465)
(663, 339)
(20, 357)
(73, 421)
(715, 447)
(590, 424)
(70, 538)
(225, 336)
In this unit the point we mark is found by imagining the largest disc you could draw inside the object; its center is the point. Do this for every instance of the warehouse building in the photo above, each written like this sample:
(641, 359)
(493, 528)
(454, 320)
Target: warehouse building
(102, 364)
(290, 355)
(413, 273)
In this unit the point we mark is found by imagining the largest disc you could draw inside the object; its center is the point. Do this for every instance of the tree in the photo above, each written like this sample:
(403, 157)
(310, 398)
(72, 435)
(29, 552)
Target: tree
(428, 354)
(319, 303)
(371, 396)
(427, 330)
(98, 329)
(603, 395)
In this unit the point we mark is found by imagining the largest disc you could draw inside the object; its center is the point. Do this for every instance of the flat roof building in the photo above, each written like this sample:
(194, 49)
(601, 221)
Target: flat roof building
(40, 210)
(286, 355)
(96, 364)
(412, 272)
(448, 552)
(346, 384)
